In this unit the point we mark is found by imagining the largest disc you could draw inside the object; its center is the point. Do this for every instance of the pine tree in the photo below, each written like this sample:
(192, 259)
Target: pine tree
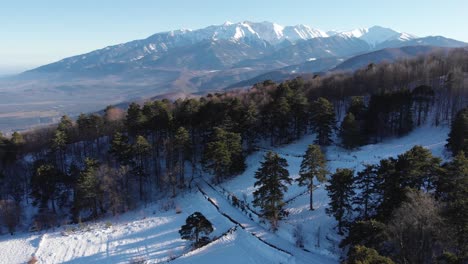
(365, 201)
(458, 136)
(452, 188)
(323, 120)
(217, 158)
(223, 154)
(419, 168)
(87, 188)
(350, 132)
(313, 166)
(357, 107)
(196, 224)
(135, 119)
(340, 190)
(59, 145)
(141, 149)
(391, 190)
(272, 178)
(363, 255)
(299, 106)
(121, 149)
(181, 142)
(45, 184)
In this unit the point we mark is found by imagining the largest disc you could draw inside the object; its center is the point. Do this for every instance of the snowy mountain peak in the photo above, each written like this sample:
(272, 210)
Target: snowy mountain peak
(374, 35)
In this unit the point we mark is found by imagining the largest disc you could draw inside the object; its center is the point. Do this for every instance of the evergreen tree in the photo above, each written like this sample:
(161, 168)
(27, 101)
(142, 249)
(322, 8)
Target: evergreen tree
(272, 178)
(65, 123)
(418, 168)
(323, 120)
(281, 119)
(363, 255)
(250, 126)
(340, 190)
(181, 142)
(365, 201)
(141, 149)
(357, 107)
(135, 119)
(121, 149)
(458, 136)
(350, 132)
(196, 224)
(59, 145)
(390, 187)
(87, 188)
(313, 166)
(45, 184)
(223, 154)
(299, 106)
(369, 233)
(453, 190)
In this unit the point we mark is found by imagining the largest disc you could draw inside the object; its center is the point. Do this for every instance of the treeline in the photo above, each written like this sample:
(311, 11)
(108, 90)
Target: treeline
(110, 163)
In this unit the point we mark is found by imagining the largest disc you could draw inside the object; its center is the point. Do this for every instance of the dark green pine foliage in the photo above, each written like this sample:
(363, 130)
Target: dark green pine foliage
(140, 151)
(323, 120)
(391, 190)
(350, 132)
(357, 107)
(196, 225)
(458, 136)
(365, 201)
(223, 154)
(340, 190)
(364, 255)
(369, 233)
(87, 188)
(121, 149)
(453, 190)
(418, 168)
(272, 180)
(182, 146)
(313, 166)
(135, 119)
(46, 183)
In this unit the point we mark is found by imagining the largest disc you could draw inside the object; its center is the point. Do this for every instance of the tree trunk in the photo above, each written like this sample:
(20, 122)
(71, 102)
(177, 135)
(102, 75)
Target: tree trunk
(311, 189)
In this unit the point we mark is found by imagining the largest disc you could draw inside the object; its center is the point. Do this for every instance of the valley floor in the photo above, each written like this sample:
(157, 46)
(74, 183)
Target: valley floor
(151, 234)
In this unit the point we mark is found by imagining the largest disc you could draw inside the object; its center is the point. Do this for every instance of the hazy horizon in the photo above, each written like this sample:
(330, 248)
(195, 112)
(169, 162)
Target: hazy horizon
(40, 33)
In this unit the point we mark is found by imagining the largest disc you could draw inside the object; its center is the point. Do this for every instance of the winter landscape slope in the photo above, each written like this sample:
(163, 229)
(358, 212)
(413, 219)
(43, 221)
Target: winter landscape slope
(151, 233)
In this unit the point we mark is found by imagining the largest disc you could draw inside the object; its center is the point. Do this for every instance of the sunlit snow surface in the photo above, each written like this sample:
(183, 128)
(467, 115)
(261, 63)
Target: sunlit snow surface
(151, 234)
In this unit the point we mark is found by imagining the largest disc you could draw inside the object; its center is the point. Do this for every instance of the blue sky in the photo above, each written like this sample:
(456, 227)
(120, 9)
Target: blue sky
(34, 32)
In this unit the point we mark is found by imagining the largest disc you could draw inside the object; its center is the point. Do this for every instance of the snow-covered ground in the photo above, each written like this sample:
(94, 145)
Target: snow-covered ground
(151, 233)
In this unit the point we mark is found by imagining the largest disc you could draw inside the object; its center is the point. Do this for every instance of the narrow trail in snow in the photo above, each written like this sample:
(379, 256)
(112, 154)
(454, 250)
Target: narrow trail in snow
(230, 231)
(253, 228)
(41, 241)
(238, 223)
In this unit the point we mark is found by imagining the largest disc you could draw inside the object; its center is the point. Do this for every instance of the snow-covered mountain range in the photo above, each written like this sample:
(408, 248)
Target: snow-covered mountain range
(202, 60)
(228, 45)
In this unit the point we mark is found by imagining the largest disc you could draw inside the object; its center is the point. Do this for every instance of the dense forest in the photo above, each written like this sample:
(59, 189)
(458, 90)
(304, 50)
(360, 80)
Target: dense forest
(109, 163)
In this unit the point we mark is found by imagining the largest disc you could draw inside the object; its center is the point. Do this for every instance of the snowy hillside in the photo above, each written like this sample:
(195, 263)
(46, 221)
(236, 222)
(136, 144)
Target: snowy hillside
(151, 234)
